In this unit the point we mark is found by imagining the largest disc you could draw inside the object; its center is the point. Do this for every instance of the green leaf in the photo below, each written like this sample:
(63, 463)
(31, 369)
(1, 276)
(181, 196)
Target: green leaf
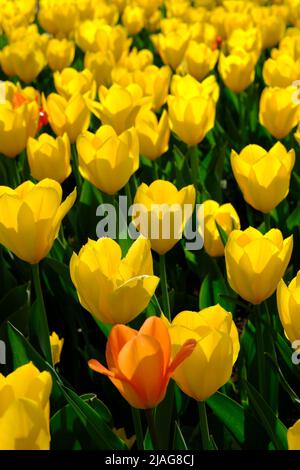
(222, 233)
(293, 219)
(285, 385)
(212, 291)
(274, 427)
(230, 413)
(101, 434)
(179, 442)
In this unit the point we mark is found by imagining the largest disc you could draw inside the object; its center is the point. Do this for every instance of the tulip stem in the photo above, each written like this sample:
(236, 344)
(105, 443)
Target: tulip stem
(128, 194)
(164, 287)
(260, 351)
(206, 442)
(136, 417)
(194, 164)
(75, 167)
(152, 429)
(40, 320)
(267, 222)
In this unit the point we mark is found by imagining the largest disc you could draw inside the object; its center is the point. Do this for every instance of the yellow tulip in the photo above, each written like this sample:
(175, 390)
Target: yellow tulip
(24, 409)
(281, 72)
(293, 436)
(71, 116)
(106, 159)
(119, 106)
(278, 110)
(22, 59)
(237, 70)
(162, 212)
(114, 39)
(188, 87)
(153, 135)
(133, 19)
(60, 54)
(263, 177)
(191, 119)
(250, 40)
(155, 83)
(288, 303)
(255, 263)
(30, 218)
(85, 35)
(56, 347)
(69, 82)
(210, 365)
(172, 47)
(49, 157)
(101, 65)
(18, 122)
(226, 217)
(58, 18)
(272, 30)
(136, 60)
(199, 60)
(112, 289)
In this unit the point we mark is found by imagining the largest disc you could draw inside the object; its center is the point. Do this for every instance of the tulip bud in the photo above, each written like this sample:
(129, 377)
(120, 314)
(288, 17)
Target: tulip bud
(163, 213)
(282, 71)
(112, 289)
(255, 263)
(226, 217)
(155, 83)
(171, 47)
(210, 365)
(131, 355)
(30, 218)
(199, 60)
(49, 157)
(56, 347)
(263, 177)
(24, 413)
(101, 65)
(278, 111)
(153, 135)
(288, 303)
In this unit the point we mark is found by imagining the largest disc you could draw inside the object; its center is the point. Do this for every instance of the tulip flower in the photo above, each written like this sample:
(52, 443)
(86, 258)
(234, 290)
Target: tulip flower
(255, 263)
(114, 39)
(153, 135)
(188, 87)
(293, 436)
(250, 40)
(155, 83)
(210, 365)
(60, 54)
(133, 19)
(226, 217)
(101, 65)
(18, 122)
(139, 362)
(278, 112)
(70, 82)
(56, 344)
(49, 157)
(58, 18)
(119, 106)
(162, 212)
(30, 218)
(112, 289)
(26, 60)
(106, 159)
(71, 116)
(24, 409)
(191, 119)
(282, 71)
(237, 70)
(172, 47)
(288, 303)
(272, 30)
(85, 35)
(199, 60)
(263, 177)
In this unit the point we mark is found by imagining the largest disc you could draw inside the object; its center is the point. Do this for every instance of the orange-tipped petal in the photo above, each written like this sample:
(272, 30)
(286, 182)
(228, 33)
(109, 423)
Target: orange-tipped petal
(156, 328)
(97, 367)
(184, 352)
(119, 336)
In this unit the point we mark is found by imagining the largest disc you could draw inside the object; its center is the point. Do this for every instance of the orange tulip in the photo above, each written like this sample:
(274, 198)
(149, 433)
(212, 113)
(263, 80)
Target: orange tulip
(139, 362)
